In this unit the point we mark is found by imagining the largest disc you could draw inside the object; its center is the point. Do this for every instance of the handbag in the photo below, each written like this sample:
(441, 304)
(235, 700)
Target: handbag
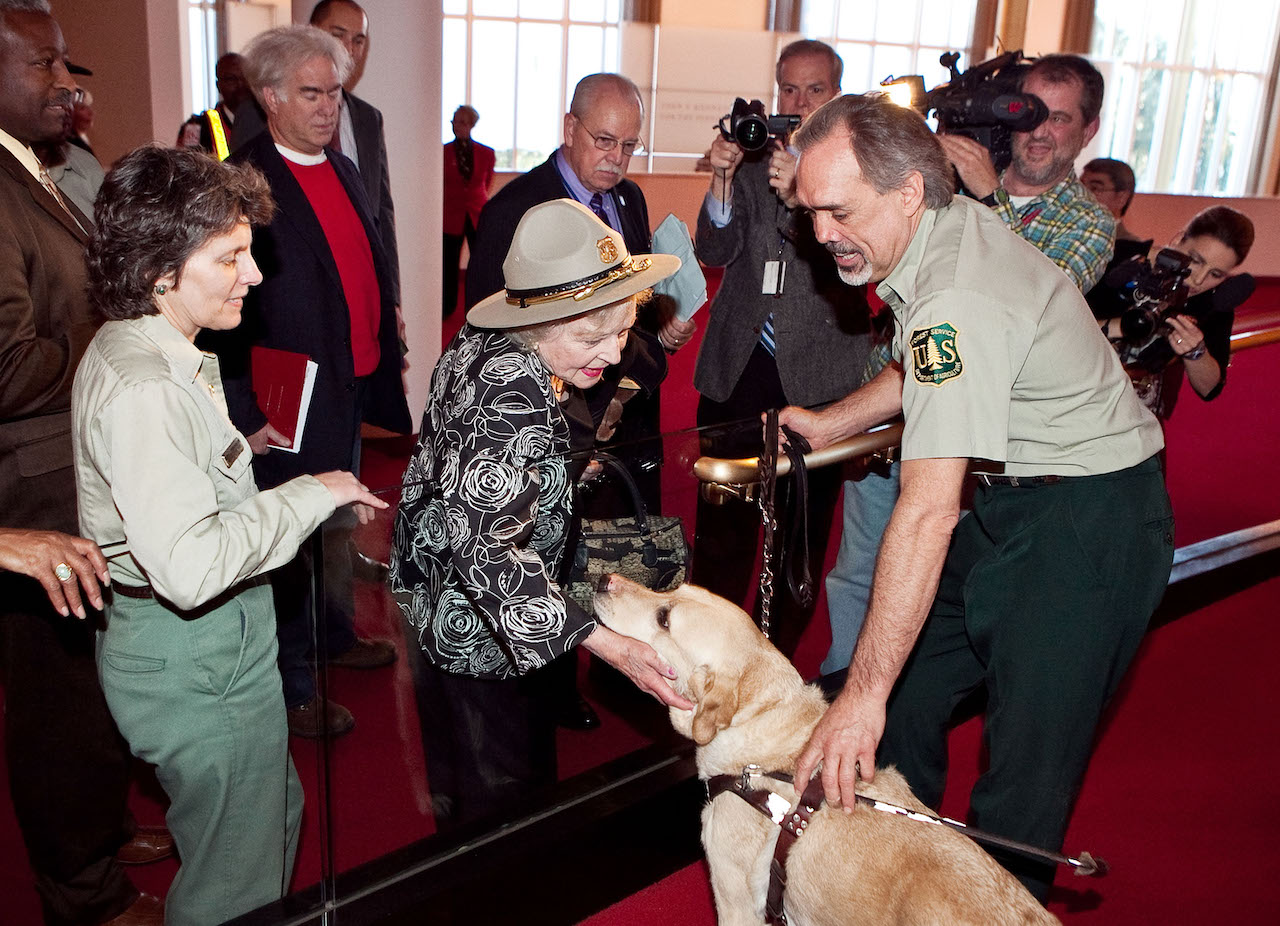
(650, 550)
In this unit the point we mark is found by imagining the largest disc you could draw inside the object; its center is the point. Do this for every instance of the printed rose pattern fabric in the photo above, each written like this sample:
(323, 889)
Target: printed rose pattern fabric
(484, 514)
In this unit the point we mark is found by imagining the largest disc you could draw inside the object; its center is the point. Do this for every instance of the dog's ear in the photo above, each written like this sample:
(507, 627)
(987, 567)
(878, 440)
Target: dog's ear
(717, 702)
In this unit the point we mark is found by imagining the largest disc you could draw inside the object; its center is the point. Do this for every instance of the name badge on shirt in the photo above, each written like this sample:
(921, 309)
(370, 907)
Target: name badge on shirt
(232, 453)
(775, 272)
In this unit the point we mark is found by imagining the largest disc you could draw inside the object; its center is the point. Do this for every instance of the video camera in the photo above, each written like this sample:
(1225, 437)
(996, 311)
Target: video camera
(983, 103)
(751, 127)
(1150, 292)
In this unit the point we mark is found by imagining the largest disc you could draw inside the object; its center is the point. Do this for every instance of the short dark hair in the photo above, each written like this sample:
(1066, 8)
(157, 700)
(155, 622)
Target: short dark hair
(1061, 69)
(889, 141)
(812, 47)
(1232, 228)
(318, 11)
(1119, 173)
(156, 208)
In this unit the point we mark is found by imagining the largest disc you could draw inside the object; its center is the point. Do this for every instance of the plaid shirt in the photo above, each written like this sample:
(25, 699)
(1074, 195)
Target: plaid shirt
(1067, 225)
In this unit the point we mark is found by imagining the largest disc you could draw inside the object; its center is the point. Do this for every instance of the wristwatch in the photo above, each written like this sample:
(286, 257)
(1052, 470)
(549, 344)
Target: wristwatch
(1196, 353)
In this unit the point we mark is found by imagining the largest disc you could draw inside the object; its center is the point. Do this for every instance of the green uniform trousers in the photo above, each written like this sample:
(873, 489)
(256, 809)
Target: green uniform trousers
(198, 695)
(1044, 598)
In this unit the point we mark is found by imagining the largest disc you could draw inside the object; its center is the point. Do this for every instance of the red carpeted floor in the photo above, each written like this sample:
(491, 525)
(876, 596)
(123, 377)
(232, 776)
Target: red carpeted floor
(1177, 799)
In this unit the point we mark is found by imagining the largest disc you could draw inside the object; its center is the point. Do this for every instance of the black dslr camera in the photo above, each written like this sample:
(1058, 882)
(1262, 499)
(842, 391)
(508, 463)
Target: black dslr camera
(984, 103)
(1150, 292)
(751, 127)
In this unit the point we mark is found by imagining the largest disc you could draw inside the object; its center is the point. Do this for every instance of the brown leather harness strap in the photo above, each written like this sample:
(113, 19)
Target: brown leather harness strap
(791, 823)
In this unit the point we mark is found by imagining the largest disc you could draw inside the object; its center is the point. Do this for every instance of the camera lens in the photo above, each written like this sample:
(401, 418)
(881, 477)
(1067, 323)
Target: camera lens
(751, 133)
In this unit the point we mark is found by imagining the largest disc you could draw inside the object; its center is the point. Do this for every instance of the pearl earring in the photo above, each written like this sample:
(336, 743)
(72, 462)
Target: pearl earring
(161, 289)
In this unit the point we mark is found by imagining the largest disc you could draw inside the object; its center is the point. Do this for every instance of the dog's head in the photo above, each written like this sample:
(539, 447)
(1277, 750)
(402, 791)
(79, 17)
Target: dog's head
(722, 661)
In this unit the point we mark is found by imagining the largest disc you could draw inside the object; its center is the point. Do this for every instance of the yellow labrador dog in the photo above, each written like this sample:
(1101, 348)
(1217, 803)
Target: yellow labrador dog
(753, 708)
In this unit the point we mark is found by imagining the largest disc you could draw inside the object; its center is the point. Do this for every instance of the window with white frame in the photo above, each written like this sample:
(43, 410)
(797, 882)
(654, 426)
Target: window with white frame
(1189, 85)
(202, 36)
(882, 38)
(516, 62)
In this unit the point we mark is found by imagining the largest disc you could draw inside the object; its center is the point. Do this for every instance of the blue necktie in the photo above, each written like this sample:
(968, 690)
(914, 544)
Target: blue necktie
(767, 339)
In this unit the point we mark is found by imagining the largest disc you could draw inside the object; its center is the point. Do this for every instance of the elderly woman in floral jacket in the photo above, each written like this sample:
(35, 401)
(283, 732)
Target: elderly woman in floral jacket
(486, 509)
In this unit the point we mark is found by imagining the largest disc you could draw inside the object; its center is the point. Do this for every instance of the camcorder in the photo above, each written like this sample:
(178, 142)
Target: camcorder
(751, 127)
(1150, 291)
(982, 103)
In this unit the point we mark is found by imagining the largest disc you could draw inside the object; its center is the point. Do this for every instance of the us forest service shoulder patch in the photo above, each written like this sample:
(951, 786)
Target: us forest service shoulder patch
(935, 358)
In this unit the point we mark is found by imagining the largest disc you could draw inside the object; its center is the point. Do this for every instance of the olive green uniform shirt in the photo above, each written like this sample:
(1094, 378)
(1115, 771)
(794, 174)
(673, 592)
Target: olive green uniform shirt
(164, 479)
(1002, 360)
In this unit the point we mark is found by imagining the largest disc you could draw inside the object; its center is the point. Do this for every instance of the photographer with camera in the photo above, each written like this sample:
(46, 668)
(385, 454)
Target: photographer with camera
(782, 330)
(1038, 195)
(1174, 310)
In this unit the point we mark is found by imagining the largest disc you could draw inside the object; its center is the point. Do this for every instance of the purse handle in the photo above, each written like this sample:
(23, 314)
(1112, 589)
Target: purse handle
(649, 549)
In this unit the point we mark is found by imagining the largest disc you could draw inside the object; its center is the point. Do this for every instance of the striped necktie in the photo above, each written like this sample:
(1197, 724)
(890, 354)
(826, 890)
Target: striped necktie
(767, 338)
(597, 206)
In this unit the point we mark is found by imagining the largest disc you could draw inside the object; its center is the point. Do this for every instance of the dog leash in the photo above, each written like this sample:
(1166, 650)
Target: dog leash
(792, 824)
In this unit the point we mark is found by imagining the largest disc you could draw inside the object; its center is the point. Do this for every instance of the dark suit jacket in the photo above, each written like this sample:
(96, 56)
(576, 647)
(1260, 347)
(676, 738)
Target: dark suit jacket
(300, 306)
(499, 219)
(371, 150)
(821, 325)
(45, 326)
(464, 198)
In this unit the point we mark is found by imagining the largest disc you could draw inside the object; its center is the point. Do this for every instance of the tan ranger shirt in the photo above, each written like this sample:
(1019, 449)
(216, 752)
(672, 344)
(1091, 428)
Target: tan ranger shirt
(164, 478)
(1002, 360)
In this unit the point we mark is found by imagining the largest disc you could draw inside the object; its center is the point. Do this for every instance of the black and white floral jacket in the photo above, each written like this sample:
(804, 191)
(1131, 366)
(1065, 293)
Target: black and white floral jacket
(484, 514)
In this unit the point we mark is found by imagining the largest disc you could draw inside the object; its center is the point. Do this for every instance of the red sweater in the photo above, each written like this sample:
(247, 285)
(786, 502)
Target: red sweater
(351, 252)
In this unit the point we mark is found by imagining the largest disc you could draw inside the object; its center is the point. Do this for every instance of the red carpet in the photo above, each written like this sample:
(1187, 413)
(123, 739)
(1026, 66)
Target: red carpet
(1184, 735)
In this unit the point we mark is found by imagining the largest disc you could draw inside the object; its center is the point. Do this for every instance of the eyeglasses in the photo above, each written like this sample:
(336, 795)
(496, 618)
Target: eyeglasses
(608, 142)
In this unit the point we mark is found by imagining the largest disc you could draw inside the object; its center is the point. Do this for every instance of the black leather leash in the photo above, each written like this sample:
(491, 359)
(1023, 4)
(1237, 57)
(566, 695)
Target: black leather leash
(793, 823)
(796, 556)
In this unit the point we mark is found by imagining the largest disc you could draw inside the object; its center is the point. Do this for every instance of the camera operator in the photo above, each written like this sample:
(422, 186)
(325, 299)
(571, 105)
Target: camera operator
(1038, 195)
(781, 331)
(1195, 336)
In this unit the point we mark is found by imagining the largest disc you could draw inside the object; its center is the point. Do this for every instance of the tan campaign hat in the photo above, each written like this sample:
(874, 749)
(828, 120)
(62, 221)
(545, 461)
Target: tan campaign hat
(564, 261)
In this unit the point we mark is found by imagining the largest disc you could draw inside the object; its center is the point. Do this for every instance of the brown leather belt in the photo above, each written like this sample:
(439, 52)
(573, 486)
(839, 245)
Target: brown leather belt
(142, 592)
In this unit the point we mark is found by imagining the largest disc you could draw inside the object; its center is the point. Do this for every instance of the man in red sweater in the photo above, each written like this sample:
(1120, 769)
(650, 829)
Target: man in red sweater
(327, 293)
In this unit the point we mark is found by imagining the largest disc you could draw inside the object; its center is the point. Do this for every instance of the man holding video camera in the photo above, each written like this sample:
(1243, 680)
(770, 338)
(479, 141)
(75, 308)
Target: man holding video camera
(1038, 195)
(1042, 593)
(782, 330)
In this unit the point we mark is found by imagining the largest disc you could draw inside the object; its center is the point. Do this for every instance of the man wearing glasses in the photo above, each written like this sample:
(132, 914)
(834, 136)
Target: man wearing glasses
(601, 133)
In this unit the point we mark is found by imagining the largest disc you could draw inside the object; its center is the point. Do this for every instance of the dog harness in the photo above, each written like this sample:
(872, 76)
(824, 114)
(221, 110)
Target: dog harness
(792, 823)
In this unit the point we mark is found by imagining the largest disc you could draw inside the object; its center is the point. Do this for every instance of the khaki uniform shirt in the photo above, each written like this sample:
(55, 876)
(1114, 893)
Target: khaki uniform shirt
(1002, 360)
(164, 478)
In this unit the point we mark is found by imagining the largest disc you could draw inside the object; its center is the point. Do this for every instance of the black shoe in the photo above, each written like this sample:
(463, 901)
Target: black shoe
(577, 714)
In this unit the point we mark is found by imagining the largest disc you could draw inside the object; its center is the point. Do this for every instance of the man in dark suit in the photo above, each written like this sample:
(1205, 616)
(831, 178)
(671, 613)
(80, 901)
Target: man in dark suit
(782, 330)
(68, 766)
(327, 293)
(468, 174)
(601, 132)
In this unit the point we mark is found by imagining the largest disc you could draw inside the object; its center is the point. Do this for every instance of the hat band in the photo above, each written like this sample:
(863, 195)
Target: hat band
(578, 289)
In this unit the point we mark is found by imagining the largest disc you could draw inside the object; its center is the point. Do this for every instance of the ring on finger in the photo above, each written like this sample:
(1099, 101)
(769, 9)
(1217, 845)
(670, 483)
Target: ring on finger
(63, 572)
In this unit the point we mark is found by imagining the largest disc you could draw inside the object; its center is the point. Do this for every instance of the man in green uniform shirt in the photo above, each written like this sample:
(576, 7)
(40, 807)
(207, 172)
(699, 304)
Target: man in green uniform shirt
(1042, 593)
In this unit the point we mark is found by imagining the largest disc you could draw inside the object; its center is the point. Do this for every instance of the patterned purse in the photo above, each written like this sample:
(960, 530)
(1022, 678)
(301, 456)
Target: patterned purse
(647, 549)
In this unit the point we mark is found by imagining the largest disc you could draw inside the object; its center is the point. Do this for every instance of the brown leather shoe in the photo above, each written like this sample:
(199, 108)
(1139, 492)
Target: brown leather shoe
(310, 719)
(368, 653)
(149, 844)
(147, 910)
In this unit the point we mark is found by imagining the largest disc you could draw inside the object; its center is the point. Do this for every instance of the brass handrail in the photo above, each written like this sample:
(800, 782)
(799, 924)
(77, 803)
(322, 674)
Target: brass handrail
(737, 475)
